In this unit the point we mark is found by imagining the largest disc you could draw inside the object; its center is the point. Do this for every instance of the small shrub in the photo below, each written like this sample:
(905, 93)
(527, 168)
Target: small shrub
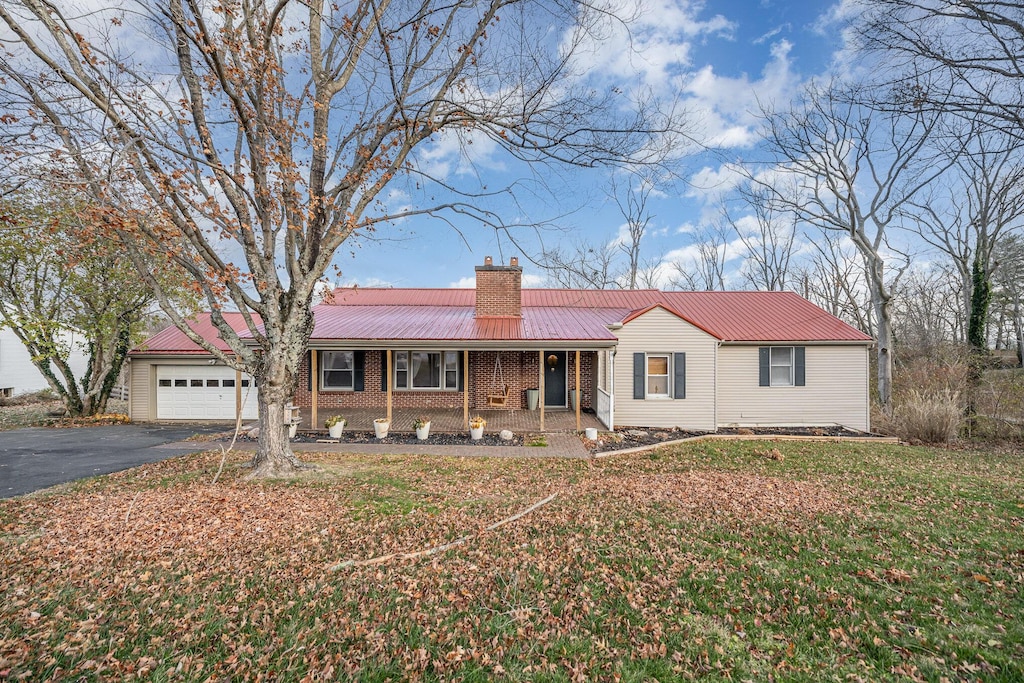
(928, 418)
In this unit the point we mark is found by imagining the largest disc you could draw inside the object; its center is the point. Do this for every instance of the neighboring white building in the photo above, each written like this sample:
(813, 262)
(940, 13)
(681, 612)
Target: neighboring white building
(17, 373)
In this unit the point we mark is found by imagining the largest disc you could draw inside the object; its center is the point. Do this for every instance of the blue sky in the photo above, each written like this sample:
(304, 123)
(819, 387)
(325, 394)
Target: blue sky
(723, 56)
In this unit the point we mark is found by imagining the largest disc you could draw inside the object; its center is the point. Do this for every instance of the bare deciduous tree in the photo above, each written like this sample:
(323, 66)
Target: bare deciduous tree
(833, 278)
(858, 166)
(705, 269)
(973, 46)
(265, 133)
(768, 235)
(966, 215)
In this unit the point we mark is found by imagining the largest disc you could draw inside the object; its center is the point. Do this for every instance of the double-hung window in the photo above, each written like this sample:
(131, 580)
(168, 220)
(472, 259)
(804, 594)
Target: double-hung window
(425, 370)
(657, 376)
(337, 370)
(782, 366)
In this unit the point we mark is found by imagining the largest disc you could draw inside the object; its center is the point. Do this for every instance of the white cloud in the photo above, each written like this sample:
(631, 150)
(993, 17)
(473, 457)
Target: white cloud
(530, 280)
(729, 107)
(653, 43)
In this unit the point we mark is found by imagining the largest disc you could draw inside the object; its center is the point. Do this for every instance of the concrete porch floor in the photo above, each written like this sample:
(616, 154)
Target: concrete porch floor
(451, 420)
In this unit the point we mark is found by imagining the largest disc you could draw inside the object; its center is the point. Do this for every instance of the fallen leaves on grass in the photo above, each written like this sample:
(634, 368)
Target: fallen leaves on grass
(641, 568)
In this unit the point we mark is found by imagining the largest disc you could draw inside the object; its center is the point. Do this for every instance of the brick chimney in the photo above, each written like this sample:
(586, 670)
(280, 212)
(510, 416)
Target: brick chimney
(499, 290)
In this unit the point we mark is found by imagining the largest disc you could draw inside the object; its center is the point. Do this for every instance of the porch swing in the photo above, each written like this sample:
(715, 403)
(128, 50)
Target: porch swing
(498, 400)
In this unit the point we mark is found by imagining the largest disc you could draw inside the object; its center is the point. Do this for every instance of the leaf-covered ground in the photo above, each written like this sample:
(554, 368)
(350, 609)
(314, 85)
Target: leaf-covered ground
(733, 561)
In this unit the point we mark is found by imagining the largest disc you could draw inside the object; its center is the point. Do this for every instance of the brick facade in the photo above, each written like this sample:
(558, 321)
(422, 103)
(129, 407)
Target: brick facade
(499, 290)
(518, 370)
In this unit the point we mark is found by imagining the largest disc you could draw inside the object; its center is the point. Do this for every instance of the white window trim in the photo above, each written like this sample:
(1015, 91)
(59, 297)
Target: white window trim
(668, 376)
(772, 366)
(322, 368)
(408, 371)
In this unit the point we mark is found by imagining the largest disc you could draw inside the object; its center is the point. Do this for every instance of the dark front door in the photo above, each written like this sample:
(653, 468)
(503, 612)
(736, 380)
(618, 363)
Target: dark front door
(554, 379)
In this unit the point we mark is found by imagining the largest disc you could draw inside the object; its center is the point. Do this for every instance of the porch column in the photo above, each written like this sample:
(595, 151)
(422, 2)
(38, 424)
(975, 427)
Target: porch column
(313, 383)
(387, 381)
(465, 389)
(540, 366)
(579, 394)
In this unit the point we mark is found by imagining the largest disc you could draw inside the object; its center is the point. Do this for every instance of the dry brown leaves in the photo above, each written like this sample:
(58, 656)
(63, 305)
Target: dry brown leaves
(157, 554)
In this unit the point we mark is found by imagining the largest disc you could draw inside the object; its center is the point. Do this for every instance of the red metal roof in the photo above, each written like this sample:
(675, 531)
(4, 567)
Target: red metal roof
(172, 340)
(549, 315)
(761, 316)
(729, 316)
(458, 323)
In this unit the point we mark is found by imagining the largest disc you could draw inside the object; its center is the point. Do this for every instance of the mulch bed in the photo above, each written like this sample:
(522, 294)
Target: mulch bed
(394, 438)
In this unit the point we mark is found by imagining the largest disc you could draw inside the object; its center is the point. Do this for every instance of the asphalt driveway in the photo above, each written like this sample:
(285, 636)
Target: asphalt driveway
(40, 457)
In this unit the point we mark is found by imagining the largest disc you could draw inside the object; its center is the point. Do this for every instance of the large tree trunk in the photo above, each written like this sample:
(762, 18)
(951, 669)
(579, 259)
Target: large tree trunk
(276, 376)
(274, 456)
(881, 304)
(884, 352)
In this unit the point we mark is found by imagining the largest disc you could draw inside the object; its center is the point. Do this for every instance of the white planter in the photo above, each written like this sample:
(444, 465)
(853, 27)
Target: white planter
(591, 433)
(422, 433)
(293, 429)
(476, 433)
(380, 429)
(336, 430)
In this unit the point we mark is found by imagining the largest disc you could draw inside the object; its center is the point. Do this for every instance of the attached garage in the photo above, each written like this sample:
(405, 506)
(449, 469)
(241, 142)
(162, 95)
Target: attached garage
(202, 392)
(171, 378)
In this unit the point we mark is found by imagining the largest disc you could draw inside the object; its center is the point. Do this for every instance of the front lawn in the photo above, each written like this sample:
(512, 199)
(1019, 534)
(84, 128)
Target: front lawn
(727, 560)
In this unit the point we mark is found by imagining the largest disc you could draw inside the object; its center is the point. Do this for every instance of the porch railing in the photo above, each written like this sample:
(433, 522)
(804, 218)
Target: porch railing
(605, 408)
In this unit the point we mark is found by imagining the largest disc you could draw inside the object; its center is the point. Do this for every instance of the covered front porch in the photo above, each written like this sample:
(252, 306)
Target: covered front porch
(450, 420)
(567, 387)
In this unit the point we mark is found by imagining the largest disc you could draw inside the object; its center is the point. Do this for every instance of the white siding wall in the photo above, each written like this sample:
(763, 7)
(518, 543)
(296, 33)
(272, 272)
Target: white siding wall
(142, 391)
(658, 331)
(836, 390)
(17, 371)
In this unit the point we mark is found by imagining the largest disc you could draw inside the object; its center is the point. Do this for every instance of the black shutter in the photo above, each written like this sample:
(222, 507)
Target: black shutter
(638, 376)
(383, 370)
(462, 367)
(799, 368)
(764, 362)
(359, 370)
(680, 375)
(309, 384)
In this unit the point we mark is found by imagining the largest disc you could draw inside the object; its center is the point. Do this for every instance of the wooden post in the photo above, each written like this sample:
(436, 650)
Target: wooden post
(465, 389)
(313, 370)
(540, 360)
(579, 394)
(387, 380)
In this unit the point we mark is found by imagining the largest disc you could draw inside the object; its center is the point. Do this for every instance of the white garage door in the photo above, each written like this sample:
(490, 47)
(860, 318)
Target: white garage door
(202, 392)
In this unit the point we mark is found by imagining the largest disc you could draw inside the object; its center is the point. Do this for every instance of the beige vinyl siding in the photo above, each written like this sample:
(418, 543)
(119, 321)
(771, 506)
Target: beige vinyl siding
(659, 331)
(142, 390)
(836, 389)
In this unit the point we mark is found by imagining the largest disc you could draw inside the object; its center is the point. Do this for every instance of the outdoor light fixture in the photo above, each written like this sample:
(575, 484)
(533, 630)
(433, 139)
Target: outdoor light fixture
(552, 361)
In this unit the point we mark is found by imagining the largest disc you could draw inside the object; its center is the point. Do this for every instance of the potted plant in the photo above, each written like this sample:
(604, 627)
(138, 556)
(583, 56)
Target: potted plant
(422, 426)
(335, 425)
(476, 428)
(381, 426)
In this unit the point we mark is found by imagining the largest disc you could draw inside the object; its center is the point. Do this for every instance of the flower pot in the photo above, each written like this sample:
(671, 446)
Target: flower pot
(476, 433)
(380, 428)
(591, 433)
(423, 432)
(293, 429)
(336, 430)
(532, 398)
